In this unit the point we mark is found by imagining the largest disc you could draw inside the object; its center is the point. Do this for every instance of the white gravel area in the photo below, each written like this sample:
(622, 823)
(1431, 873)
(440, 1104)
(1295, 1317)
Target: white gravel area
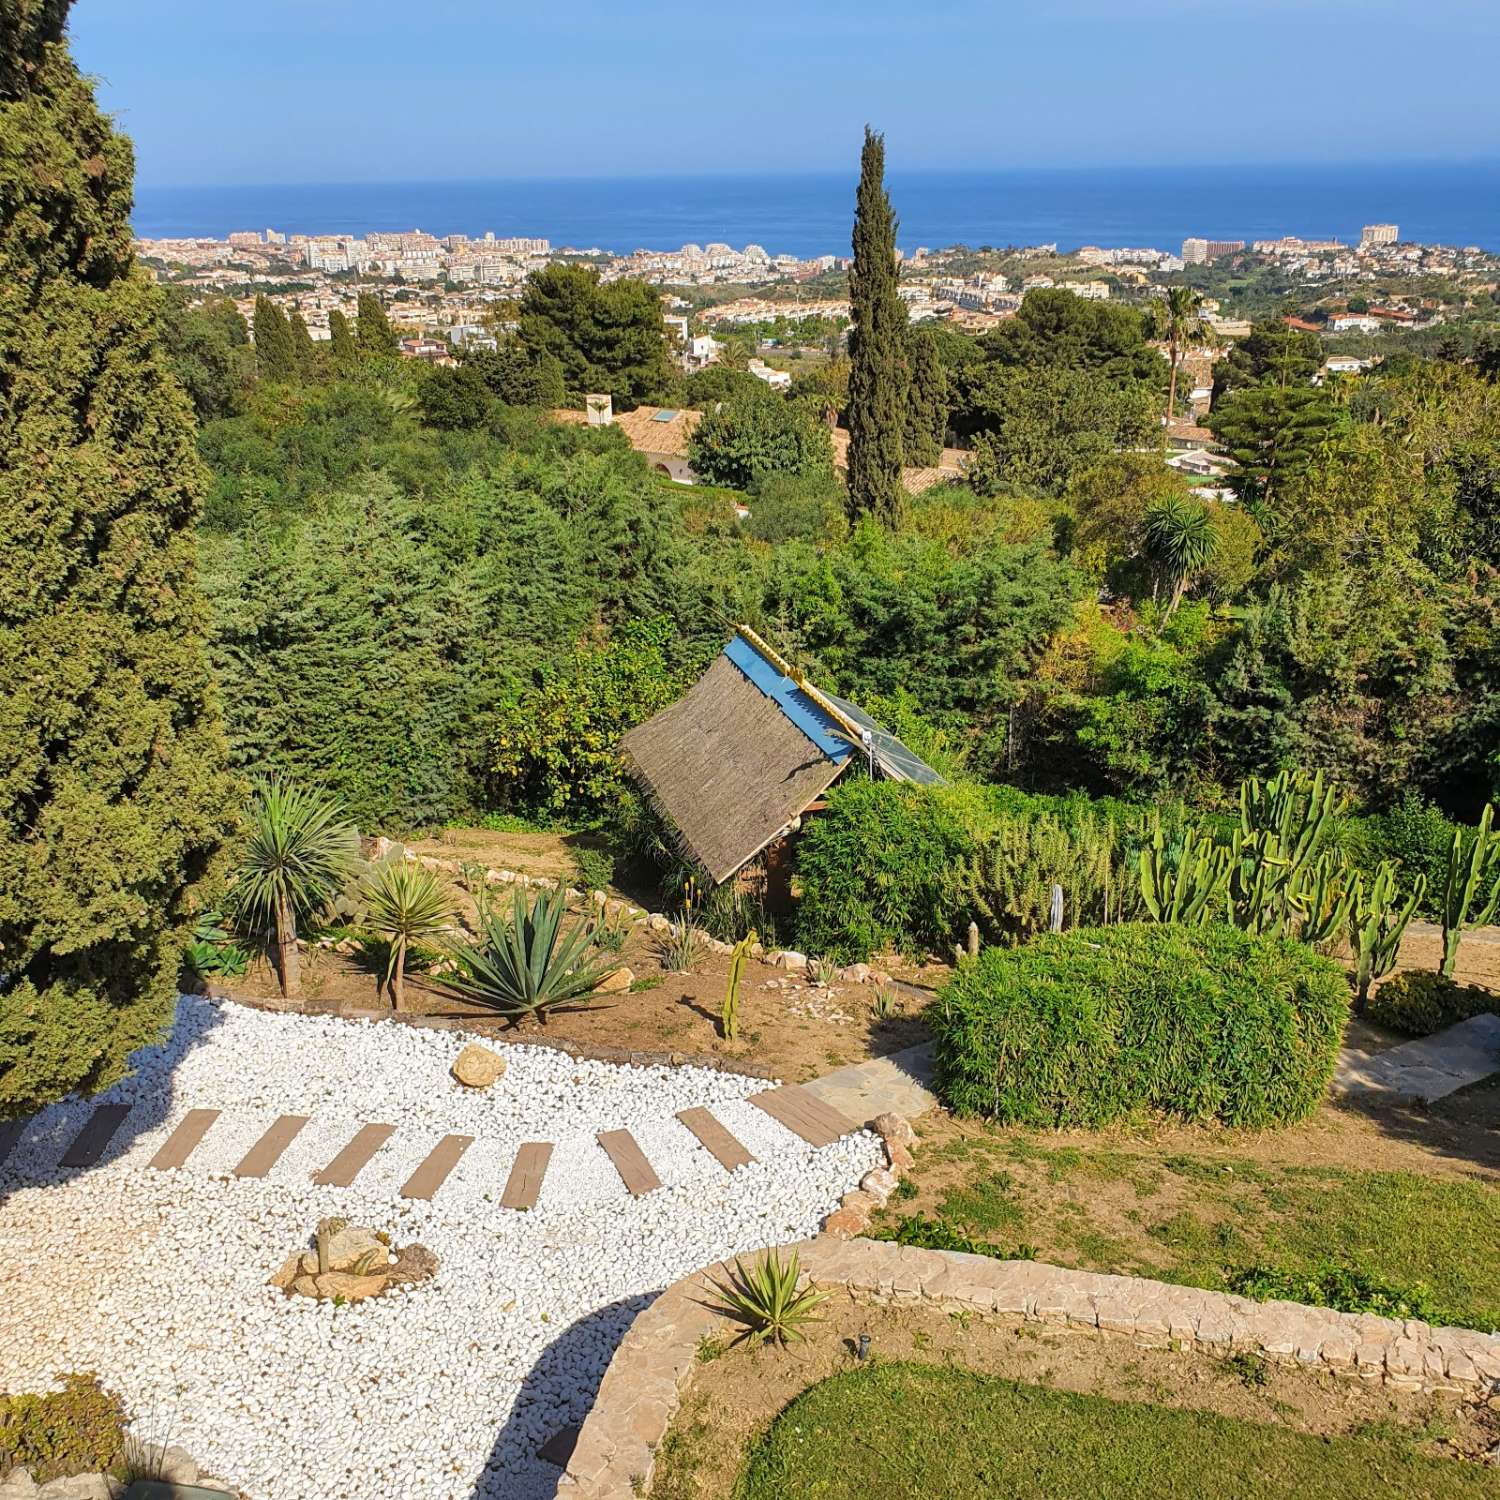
(156, 1281)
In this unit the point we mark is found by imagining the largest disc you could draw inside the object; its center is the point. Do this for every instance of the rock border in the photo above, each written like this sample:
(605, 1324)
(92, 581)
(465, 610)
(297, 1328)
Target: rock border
(653, 1368)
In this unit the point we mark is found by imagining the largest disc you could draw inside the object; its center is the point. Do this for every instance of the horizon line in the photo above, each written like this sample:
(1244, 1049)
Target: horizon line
(849, 173)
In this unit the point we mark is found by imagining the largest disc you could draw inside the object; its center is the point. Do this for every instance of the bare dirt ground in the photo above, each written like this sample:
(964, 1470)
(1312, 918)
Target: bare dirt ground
(736, 1393)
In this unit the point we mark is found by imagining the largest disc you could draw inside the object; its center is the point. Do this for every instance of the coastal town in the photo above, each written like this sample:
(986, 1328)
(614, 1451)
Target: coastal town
(457, 290)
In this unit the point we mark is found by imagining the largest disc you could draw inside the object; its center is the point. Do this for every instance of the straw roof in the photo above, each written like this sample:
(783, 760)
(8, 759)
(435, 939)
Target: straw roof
(728, 768)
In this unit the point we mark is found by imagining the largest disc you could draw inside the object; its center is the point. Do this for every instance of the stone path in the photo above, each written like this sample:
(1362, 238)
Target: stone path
(800, 1110)
(898, 1084)
(1427, 1069)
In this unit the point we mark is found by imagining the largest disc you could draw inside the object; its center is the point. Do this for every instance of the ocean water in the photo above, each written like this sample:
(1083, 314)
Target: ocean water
(1453, 204)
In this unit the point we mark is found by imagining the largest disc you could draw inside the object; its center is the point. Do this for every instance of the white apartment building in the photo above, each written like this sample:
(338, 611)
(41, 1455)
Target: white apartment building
(1379, 234)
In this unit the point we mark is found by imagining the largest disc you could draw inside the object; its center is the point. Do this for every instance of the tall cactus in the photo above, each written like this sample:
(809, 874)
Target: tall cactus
(729, 1017)
(1471, 892)
(1376, 926)
(1322, 898)
(1275, 854)
(1188, 888)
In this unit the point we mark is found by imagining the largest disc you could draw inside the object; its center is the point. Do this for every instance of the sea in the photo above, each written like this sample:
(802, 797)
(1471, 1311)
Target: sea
(809, 215)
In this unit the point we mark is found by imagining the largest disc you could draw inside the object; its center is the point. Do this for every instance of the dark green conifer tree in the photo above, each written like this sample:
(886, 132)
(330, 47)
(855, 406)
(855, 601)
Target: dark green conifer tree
(373, 333)
(275, 354)
(877, 348)
(113, 790)
(304, 351)
(926, 401)
(341, 344)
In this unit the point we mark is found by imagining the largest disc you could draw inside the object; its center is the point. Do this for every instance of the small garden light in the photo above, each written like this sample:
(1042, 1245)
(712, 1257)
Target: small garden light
(863, 1351)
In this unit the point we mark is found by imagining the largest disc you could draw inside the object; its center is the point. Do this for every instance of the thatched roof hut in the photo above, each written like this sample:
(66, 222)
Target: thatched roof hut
(735, 763)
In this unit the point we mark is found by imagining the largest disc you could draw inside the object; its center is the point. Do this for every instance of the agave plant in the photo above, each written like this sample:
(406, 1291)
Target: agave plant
(406, 903)
(765, 1300)
(299, 851)
(527, 963)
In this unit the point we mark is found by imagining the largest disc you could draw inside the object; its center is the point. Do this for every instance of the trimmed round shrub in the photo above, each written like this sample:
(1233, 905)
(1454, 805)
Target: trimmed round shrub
(1420, 1002)
(1089, 1026)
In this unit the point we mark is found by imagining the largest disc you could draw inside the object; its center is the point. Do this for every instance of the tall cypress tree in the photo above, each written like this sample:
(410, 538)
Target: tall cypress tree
(275, 357)
(304, 351)
(373, 333)
(877, 347)
(113, 789)
(341, 342)
(926, 400)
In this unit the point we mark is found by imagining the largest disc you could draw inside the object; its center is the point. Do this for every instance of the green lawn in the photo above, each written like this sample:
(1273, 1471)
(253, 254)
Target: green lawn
(922, 1432)
(1203, 1220)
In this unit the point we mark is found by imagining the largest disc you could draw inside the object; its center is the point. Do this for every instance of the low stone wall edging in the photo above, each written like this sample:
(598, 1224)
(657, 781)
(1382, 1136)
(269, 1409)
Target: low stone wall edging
(653, 1368)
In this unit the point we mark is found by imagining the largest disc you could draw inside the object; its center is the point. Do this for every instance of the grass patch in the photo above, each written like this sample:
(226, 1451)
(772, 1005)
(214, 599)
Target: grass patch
(1358, 1240)
(930, 1433)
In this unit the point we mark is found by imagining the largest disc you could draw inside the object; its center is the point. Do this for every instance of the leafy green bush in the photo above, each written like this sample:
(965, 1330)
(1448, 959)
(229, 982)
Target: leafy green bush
(1088, 1026)
(880, 869)
(1343, 1288)
(1420, 1002)
(943, 1234)
(77, 1430)
(1413, 833)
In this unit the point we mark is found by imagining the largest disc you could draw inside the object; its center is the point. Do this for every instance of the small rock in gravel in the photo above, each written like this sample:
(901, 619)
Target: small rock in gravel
(478, 1067)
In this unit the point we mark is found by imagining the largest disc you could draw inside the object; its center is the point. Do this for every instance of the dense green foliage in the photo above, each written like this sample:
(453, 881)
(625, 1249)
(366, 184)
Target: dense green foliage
(606, 337)
(1420, 1002)
(877, 347)
(926, 400)
(947, 1433)
(77, 1430)
(112, 772)
(757, 434)
(1095, 1025)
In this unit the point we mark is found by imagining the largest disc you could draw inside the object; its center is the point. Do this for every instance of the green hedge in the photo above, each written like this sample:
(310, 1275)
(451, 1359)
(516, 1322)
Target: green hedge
(1089, 1026)
(880, 869)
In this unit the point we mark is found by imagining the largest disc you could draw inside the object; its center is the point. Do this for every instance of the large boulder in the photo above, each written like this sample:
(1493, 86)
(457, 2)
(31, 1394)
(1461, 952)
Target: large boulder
(478, 1067)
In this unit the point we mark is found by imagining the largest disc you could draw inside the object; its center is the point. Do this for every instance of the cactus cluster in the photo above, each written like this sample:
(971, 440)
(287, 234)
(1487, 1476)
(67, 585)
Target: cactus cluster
(1471, 893)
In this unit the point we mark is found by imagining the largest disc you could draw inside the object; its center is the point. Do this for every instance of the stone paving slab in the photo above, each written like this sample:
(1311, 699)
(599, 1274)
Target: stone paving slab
(184, 1140)
(524, 1185)
(433, 1172)
(92, 1141)
(353, 1159)
(727, 1149)
(622, 1148)
(267, 1151)
(899, 1084)
(1426, 1069)
(804, 1113)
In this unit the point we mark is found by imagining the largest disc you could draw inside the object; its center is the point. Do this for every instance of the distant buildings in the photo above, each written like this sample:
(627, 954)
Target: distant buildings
(1197, 251)
(1378, 234)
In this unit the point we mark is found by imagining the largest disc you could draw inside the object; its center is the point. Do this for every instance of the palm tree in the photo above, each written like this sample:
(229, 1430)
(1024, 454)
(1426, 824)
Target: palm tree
(1179, 321)
(1181, 540)
(299, 852)
(406, 903)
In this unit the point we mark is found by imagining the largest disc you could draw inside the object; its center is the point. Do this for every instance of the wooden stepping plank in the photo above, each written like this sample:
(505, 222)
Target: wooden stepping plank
(818, 1124)
(630, 1161)
(266, 1152)
(441, 1160)
(347, 1165)
(90, 1142)
(10, 1135)
(730, 1152)
(180, 1144)
(525, 1181)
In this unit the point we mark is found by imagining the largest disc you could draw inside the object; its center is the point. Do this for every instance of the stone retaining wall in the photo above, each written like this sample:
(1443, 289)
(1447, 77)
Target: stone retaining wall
(655, 1363)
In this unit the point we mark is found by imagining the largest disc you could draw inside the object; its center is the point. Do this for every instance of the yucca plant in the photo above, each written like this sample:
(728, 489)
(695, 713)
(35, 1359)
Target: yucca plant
(766, 1302)
(406, 903)
(681, 945)
(527, 962)
(300, 849)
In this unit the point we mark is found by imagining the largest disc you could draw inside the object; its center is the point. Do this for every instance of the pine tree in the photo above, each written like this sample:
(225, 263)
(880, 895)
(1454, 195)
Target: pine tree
(877, 347)
(113, 790)
(304, 351)
(373, 333)
(926, 401)
(341, 343)
(275, 356)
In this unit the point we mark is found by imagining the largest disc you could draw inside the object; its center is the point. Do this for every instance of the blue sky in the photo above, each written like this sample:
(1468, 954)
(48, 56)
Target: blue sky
(280, 91)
